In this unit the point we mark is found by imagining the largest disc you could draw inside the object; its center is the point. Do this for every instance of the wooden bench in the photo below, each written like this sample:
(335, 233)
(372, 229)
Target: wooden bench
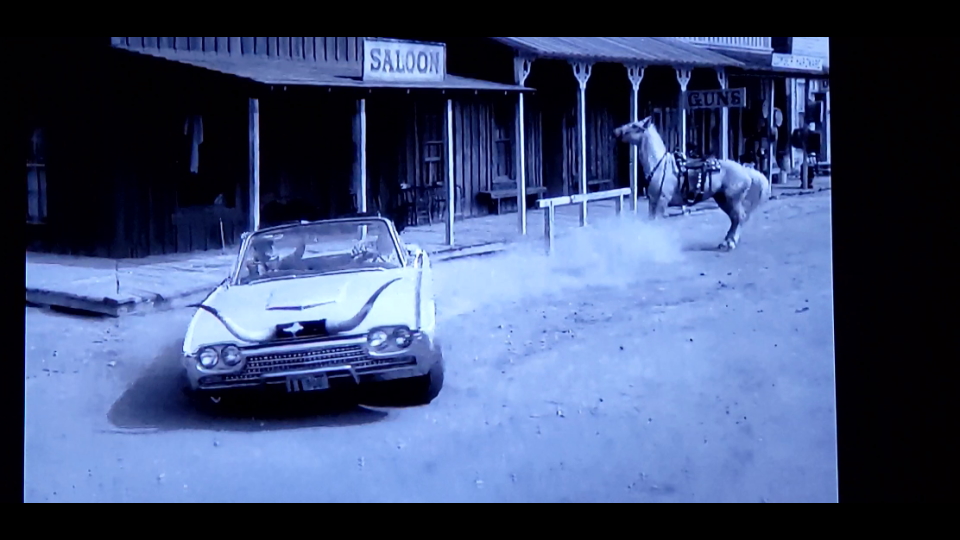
(602, 184)
(508, 190)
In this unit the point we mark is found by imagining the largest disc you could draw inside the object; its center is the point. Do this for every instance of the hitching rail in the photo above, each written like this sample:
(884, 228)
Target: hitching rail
(549, 208)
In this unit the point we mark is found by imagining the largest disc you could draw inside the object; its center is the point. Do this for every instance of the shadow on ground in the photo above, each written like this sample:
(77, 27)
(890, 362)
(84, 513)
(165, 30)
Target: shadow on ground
(703, 246)
(156, 402)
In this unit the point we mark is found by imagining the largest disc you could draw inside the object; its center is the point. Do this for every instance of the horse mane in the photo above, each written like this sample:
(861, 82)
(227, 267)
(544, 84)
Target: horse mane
(653, 142)
(652, 150)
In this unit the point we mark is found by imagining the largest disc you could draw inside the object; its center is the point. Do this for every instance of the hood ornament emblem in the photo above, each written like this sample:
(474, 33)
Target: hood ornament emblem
(294, 329)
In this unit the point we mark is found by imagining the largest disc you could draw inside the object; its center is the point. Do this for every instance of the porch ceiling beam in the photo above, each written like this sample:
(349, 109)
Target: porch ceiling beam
(635, 74)
(684, 73)
(582, 71)
(724, 118)
(521, 70)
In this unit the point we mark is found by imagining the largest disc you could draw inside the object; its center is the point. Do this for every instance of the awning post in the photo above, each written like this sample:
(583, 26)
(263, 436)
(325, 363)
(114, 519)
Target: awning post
(451, 181)
(635, 74)
(581, 71)
(253, 126)
(521, 70)
(724, 118)
(683, 77)
(360, 158)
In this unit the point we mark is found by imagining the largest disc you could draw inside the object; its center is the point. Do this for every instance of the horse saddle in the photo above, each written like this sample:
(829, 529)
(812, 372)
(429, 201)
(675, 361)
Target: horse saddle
(695, 172)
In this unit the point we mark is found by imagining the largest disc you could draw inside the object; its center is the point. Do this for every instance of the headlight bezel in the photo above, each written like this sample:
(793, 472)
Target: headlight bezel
(204, 353)
(226, 353)
(220, 352)
(390, 339)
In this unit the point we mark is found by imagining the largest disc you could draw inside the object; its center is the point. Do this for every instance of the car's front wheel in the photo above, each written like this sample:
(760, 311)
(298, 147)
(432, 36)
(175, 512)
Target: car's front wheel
(200, 399)
(424, 389)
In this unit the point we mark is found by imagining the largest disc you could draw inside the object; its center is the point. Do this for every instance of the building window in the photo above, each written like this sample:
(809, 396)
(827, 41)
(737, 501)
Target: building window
(503, 140)
(430, 117)
(36, 178)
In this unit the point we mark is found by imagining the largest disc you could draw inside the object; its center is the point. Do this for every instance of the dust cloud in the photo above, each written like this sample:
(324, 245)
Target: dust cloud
(608, 253)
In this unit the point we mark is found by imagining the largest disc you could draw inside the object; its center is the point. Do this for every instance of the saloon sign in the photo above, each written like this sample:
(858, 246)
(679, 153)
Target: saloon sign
(716, 99)
(403, 61)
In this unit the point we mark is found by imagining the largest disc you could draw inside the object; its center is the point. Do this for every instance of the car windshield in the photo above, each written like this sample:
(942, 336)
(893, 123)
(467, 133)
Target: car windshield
(318, 248)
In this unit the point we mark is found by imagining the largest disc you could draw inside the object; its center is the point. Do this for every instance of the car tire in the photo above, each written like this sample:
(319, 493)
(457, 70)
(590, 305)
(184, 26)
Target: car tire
(200, 399)
(424, 389)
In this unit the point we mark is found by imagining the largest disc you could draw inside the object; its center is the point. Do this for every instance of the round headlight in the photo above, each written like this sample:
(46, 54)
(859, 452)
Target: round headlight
(402, 337)
(231, 355)
(377, 339)
(208, 358)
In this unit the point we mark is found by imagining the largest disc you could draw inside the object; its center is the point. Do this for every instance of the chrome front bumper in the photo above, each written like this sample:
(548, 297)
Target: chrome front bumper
(341, 360)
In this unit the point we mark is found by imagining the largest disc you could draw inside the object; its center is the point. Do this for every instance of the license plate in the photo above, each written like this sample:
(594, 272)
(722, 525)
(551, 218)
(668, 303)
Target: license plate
(309, 383)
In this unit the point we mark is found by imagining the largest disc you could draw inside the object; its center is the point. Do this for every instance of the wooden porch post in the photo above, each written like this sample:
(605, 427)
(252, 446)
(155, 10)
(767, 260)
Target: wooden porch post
(582, 70)
(451, 185)
(827, 142)
(635, 74)
(254, 163)
(724, 119)
(805, 168)
(362, 157)
(683, 77)
(521, 70)
(771, 144)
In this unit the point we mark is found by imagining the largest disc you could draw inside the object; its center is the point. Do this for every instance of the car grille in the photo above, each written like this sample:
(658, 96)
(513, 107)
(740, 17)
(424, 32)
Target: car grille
(263, 364)
(277, 363)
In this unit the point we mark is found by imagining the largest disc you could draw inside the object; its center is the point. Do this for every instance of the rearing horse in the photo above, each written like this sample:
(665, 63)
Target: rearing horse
(738, 190)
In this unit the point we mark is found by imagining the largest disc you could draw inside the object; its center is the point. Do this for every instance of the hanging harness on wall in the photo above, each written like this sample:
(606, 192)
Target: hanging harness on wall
(694, 174)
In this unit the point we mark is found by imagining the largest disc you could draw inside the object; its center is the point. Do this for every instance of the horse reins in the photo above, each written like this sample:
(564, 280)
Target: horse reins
(663, 177)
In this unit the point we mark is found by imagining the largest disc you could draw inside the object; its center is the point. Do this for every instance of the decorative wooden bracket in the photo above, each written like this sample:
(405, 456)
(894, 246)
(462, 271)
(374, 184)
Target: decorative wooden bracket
(521, 69)
(582, 71)
(635, 74)
(722, 77)
(683, 77)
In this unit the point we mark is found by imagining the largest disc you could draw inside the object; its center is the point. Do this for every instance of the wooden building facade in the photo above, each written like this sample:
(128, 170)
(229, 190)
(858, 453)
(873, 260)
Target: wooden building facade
(773, 71)
(558, 155)
(140, 146)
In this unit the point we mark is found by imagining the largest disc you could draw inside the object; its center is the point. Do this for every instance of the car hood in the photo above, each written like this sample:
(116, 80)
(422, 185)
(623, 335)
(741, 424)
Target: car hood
(259, 307)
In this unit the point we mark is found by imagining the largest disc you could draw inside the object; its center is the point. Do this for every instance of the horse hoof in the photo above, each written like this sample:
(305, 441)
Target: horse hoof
(727, 246)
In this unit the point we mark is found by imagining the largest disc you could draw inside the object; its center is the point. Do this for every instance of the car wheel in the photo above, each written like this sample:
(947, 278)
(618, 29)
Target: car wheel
(424, 389)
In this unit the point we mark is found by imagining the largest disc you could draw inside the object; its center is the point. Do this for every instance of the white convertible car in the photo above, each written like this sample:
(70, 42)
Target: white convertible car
(311, 306)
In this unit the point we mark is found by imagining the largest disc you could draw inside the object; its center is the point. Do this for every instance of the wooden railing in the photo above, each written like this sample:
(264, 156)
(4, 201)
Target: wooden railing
(748, 43)
(549, 209)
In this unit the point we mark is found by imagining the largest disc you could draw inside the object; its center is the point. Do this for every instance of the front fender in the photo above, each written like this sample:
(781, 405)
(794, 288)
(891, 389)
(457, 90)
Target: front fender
(205, 329)
(428, 305)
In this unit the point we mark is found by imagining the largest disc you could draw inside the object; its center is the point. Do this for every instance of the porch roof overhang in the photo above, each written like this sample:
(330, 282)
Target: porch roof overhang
(277, 72)
(654, 51)
(761, 65)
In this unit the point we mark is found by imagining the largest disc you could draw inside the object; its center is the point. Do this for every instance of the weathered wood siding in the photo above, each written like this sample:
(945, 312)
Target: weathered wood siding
(159, 205)
(306, 154)
(407, 145)
(57, 91)
(119, 180)
(485, 147)
(556, 104)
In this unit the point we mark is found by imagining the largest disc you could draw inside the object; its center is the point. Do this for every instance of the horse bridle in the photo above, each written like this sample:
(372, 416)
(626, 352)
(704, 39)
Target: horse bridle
(663, 177)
